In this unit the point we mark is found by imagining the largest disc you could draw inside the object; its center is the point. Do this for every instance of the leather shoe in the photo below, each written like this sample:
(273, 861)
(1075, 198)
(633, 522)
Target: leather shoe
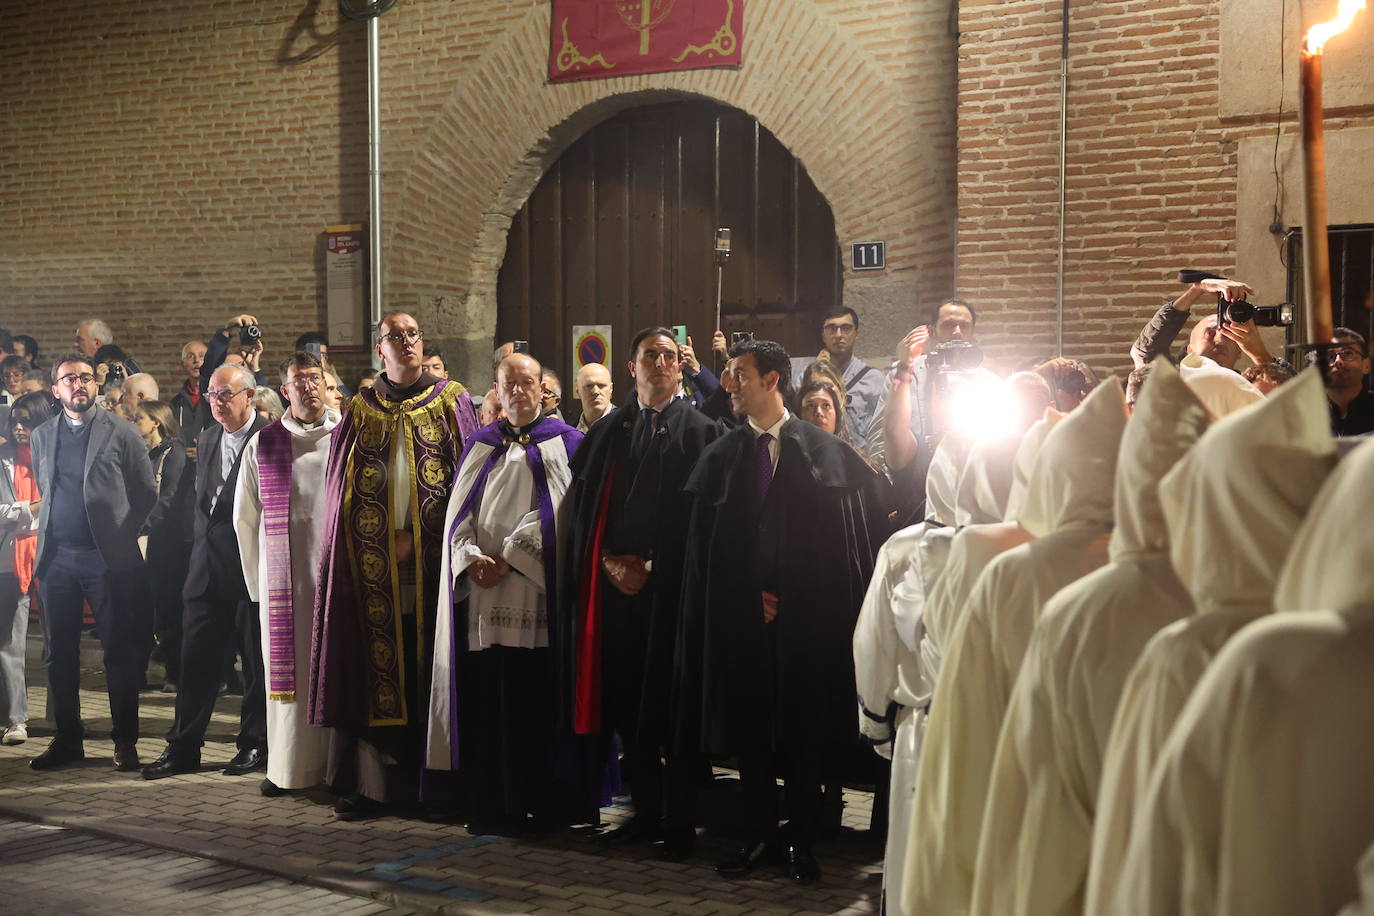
(246, 761)
(357, 807)
(801, 864)
(636, 830)
(678, 844)
(270, 789)
(57, 754)
(748, 857)
(171, 763)
(126, 757)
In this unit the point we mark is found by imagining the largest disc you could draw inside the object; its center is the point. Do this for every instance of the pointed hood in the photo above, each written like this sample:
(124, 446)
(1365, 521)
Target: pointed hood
(1331, 564)
(1167, 421)
(942, 479)
(1233, 503)
(985, 484)
(1074, 473)
(1024, 464)
(1221, 390)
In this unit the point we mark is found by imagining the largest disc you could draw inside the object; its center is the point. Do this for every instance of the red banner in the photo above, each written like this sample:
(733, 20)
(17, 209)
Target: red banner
(592, 39)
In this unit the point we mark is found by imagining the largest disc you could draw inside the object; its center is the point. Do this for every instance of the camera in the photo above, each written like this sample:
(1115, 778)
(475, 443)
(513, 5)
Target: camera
(1266, 316)
(955, 356)
(249, 335)
(115, 373)
(739, 337)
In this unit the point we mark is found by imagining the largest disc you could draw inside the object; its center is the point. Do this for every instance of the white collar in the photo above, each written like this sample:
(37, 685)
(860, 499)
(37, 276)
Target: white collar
(242, 433)
(772, 430)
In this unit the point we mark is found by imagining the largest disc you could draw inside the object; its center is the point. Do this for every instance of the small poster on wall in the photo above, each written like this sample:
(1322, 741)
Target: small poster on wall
(595, 39)
(591, 344)
(345, 287)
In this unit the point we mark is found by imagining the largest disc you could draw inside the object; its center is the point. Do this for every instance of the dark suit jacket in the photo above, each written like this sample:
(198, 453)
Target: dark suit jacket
(118, 487)
(214, 546)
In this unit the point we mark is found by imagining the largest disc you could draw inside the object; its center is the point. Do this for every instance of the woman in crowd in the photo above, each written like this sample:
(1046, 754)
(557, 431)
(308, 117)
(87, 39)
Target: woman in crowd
(168, 529)
(19, 503)
(268, 405)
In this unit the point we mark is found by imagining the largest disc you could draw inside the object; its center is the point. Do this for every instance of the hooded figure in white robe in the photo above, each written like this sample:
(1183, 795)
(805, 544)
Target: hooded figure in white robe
(1222, 390)
(1232, 506)
(1262, 800)
(1364, 905)
(298, 753)
(1037, 830)
(1068, 512)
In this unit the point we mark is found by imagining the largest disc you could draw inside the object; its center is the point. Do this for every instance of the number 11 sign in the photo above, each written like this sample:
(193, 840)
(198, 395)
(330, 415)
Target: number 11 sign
(868, 255)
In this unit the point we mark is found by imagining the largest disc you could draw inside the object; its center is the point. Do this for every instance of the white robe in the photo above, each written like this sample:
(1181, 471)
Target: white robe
(1262, 800)
(1232, 505)
(297, 752)
(504, 523)
(1067, 509)
(1221, 390)
(1037, 829)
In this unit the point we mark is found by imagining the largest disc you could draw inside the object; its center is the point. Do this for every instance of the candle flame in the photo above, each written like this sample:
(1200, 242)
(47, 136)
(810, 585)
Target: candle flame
(1320, 34)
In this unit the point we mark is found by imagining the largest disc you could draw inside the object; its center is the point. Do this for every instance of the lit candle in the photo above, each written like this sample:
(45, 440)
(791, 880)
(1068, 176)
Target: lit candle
(1315, 257)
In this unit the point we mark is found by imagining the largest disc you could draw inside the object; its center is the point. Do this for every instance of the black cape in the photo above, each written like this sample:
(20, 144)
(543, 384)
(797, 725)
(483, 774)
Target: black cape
(607, 446)
(734, 673)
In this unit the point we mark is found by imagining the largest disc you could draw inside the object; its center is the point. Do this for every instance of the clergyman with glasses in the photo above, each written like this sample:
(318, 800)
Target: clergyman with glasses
(392, 462)
(97, 487)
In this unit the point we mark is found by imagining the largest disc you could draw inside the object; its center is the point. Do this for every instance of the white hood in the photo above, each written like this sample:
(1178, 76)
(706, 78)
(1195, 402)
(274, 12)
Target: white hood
(1234, 502)
(1167, 421)
(1331, 564)
(985, 484)
(1024, 464)
(1074, 472)
(942, 479)
(1222, 390)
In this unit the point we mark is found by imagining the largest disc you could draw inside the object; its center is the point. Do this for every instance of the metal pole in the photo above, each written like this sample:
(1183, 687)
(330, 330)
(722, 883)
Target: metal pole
(1063, 154)
(374, 169)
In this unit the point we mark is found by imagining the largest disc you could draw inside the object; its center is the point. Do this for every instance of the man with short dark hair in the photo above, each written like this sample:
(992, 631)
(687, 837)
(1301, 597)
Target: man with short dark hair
(1352, 405)
(863, 385)
(434, 363)
(786, 521)
(97, 484)
(623, 581)
(217, 614)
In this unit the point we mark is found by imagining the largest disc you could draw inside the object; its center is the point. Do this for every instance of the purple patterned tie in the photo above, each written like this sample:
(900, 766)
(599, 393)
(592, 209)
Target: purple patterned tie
(765, 461)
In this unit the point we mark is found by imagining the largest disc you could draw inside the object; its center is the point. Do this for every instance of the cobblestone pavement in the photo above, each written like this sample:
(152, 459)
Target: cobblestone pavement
(231, 844)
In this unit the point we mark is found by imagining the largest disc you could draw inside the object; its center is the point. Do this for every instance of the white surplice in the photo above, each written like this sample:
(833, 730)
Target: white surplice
(1232, 505)
(297, 752)
(1067, 510)
(1262, 800)
(503, 523)
(1037, 829)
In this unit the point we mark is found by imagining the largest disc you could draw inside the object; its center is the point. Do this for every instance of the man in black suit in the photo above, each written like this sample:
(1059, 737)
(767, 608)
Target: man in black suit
(216, 605)
(97, 488)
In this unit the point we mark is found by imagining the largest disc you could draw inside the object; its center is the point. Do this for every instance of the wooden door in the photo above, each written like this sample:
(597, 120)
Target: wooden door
(620, 231)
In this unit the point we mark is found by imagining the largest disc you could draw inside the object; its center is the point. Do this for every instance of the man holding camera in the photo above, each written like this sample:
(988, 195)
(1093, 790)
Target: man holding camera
(239, 341)
(1223, 345)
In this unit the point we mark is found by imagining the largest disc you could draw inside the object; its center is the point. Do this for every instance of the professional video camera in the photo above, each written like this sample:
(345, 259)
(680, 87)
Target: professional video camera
(1240, 311)
(951, 358)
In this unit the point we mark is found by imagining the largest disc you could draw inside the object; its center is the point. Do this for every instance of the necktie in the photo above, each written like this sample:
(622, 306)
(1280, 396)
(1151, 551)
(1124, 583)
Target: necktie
(765, 463)
(644, 436)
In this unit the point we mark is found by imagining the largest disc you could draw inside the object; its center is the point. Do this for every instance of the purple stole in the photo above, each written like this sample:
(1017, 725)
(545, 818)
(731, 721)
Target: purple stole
(492, 435)
(275, 461)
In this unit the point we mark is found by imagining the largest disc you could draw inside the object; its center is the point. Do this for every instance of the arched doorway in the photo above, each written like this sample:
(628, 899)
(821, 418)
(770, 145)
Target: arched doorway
(621, 227)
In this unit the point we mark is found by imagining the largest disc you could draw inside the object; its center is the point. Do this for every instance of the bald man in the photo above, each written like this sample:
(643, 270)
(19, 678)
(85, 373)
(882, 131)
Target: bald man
(138, 388)
(593, 386)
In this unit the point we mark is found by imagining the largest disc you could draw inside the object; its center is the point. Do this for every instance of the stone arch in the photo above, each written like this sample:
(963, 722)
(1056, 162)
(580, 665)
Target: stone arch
(502, 124)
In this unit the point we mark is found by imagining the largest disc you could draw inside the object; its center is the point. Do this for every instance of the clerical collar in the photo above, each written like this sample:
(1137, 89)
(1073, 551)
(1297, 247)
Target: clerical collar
(75, 425)
(389, 390)
(517, 432)
(304, 425)
(772, 430)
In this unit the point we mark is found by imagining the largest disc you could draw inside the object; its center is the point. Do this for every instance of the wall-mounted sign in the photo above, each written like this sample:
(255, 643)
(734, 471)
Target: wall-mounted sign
(345, 289)
(868, 255)
(591, 344)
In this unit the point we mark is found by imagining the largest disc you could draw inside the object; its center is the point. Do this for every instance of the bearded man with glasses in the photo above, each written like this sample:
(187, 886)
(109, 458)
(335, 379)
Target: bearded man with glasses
(97, 486)
(392, 461)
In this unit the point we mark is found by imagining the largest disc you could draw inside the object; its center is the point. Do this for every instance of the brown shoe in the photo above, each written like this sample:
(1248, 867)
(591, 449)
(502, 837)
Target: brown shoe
(126, 757)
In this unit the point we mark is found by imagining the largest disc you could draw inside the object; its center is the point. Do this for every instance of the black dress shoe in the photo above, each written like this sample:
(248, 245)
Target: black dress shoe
(126, 757)
(748, 857)
(801, 864)
(636, 830)
(172, 763)
(270, 789)
(246, 761)
(678, 844)
(58, 754)
(357, 807)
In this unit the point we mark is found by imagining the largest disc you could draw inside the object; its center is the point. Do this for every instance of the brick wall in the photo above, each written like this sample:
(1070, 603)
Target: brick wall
(1150, 175)
(169, 164)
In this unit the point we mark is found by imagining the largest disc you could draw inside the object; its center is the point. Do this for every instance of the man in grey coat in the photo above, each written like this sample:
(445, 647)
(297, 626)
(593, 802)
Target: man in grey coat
(97, 486)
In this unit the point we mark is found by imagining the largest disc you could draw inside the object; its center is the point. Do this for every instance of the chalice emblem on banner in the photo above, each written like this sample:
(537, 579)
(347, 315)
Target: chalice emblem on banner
(643, 16)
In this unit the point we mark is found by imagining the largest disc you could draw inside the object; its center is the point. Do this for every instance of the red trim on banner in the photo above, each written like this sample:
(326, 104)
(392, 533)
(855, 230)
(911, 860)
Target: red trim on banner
(591, 39)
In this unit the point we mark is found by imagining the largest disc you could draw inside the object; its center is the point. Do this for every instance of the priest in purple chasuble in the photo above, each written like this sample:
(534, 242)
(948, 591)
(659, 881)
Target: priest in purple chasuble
(278, 518)
(492, 715)
(392, 461)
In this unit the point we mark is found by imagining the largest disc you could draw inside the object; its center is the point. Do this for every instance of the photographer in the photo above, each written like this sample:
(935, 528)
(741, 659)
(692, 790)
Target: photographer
(1223, 346)
(239, 341)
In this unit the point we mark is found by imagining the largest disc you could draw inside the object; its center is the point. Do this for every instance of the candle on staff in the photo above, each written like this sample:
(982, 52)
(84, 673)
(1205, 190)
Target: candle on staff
(1315, 256)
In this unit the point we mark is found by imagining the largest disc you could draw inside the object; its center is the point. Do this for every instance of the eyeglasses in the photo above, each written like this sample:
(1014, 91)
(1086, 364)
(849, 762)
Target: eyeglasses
(1349, 354)
(304, 382)
(653, 356)
(410, 336)
(72, 379)
(839, 328)
(223, 395)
